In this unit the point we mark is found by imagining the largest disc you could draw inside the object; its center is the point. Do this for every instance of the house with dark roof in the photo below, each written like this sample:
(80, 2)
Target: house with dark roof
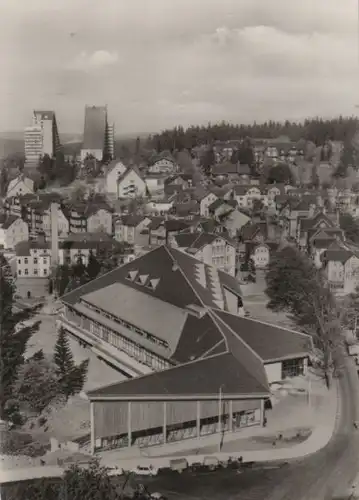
(234, 172)
(132, 229)
(19, 186)
(94, 215)
(217, 250)
(171, 323)
(341, 266)
(13, 230)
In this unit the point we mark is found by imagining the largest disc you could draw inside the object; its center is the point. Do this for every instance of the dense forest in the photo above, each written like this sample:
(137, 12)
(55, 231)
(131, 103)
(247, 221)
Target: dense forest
(316, 130)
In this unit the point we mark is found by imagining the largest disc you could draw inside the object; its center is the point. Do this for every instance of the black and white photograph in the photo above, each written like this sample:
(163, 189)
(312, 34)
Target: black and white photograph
(179, 250)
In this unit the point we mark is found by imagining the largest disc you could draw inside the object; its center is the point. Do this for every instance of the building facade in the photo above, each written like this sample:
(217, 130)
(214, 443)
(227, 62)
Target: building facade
(98, 134)
(42, 138)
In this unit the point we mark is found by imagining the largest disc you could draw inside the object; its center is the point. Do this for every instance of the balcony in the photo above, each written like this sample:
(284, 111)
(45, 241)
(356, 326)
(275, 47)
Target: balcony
(105, 350)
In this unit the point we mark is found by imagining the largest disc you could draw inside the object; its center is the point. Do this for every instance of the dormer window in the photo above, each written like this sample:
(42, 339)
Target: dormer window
(152, 284)
(141, 279)
(132, 275)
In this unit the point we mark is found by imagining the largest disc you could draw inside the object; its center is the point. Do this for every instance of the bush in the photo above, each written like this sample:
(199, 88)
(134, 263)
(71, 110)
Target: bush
(13, 442)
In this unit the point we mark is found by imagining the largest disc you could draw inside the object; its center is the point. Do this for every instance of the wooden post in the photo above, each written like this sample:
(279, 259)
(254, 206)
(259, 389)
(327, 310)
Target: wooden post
(129, 430)
(164, 422)
(230, 416)
(198, 419)
(92, 427)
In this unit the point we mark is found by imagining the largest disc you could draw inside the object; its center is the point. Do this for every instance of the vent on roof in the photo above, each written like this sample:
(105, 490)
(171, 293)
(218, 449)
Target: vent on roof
(197, 311)
(141, 279)
(152, 284)
(132, 275)
(175, 266)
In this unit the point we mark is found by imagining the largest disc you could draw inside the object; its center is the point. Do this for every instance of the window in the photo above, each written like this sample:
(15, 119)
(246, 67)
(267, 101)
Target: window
(45, 272)
(35, 260)
(45, 261)
(26, 260)
(19, 261)
(35, 272)
(19, 272)
(292, 368)
(26, 271)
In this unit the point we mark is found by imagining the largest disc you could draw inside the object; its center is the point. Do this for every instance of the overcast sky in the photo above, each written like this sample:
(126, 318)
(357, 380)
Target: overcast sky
(157, 63)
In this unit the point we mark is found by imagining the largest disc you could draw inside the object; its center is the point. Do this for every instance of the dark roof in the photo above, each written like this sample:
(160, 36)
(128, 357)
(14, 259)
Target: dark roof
(22, 249)
(199, 377)
(155, 223)
(95, 127)
(269, 342)
(230, 168)
(199, 239)
(98, 237)
(250, 230)
(132, 220)
(176, 225)
(311, 222)
(219, 202)
(9, 221)
(341, 255)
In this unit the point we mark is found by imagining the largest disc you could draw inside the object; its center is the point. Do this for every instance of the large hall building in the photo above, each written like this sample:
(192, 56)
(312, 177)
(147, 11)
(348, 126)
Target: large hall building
(195, 365)
(98, 140)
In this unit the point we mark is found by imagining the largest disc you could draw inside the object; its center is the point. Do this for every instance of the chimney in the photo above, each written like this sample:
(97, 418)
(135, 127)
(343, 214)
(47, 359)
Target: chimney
(54, 208)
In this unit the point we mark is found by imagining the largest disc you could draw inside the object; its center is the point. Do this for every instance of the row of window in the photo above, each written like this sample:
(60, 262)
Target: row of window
(129, 326)
(35, 260)
(131, 348)
(35, 272)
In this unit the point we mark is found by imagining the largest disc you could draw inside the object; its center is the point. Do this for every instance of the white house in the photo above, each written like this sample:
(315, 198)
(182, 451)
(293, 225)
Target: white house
(130, 184)
(158, 207)
(245, 195)
(63, 224)
(20, 186)
(100, 220)
(156, 184)
(205, 202)
(114, 171)
(13, 230)
(261, 256)
(164, 165)
(212, 249)
(342, 269)
(33, 259)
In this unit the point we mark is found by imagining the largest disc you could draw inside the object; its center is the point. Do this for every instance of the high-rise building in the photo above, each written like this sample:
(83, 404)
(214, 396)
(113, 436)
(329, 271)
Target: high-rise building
(42, 137)
(98, 134)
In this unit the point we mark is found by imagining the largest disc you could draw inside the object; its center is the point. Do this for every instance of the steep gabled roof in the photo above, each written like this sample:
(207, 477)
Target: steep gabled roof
(9, 221)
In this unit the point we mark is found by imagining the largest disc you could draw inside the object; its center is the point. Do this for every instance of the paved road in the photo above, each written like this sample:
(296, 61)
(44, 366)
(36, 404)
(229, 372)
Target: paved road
(323, 476)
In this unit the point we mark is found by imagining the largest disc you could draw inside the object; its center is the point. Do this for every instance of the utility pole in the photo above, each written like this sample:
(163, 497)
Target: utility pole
(220, 418)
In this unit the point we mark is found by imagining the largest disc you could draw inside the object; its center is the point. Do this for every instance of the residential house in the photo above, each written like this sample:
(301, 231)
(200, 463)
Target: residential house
(308, 226)
(20, 186)
(163, 166)
(234, 221)
(261, 253)
(341, 265)
(37, 213)
(219, 208)
(160, 207)
(112, 174)
(246, 194)
(157, 231)
(156, 184)
(33, 259)
(130, 184)
(181, 179)
(233, 172)
(13, 230)
(80, 246)
(92, 216)
(212, 249)
(205, 202)
(132, 229)
(174, 227)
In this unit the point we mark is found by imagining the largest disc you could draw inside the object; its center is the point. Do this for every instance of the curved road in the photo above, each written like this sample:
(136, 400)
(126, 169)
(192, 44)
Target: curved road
(324, 475)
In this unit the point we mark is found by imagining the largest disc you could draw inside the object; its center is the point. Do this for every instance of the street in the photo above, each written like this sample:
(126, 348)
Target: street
(325, 475)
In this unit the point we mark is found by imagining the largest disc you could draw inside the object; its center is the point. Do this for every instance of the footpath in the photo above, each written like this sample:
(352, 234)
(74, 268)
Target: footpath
(292, 413)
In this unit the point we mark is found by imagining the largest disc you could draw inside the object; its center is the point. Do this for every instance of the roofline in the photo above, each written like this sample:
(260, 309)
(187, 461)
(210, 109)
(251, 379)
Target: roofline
(285, 358)
(174, 397)
(216, 345)
(72, 305)
(277, 326)
(157, 373)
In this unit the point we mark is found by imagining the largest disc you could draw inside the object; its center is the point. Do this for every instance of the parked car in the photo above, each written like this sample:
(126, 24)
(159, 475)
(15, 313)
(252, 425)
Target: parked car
(114, 471)
(178, 464)
(145, 470)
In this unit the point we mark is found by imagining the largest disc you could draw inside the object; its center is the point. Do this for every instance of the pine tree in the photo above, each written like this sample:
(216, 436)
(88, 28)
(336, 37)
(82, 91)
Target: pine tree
(13, 344)
(63, 357)
(71, 377)
(93, 266)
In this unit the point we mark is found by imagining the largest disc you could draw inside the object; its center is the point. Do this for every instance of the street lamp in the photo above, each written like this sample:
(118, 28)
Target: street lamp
(220, 395)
